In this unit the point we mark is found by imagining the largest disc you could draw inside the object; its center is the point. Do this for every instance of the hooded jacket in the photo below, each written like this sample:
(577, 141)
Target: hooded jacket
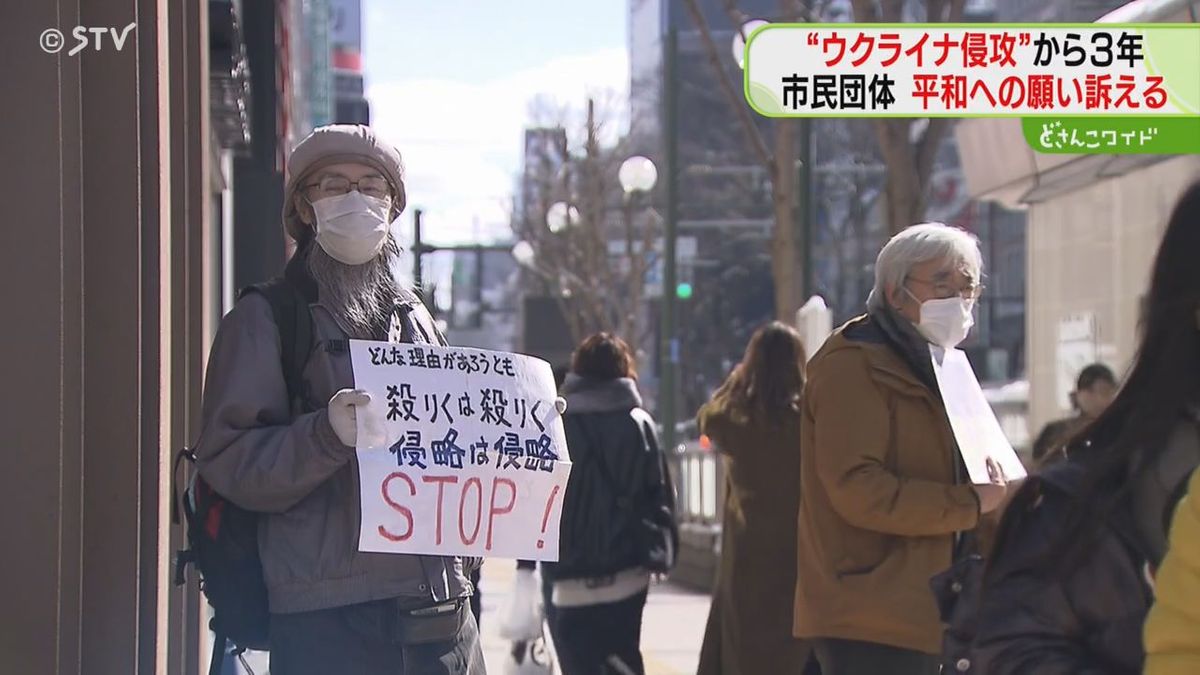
(618, 472)
(285, 461)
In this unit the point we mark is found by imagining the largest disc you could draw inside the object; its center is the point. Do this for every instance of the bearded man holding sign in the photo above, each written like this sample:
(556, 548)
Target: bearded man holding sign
(286, 448)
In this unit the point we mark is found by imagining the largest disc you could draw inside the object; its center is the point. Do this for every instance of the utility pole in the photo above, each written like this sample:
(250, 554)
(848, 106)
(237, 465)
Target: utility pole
(669, 343)
(418, 250)
(807, 212)
(478, 286)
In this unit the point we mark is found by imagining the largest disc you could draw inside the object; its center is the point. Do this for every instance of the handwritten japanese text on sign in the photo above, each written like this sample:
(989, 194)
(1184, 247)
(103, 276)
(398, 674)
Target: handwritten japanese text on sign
(461, 452)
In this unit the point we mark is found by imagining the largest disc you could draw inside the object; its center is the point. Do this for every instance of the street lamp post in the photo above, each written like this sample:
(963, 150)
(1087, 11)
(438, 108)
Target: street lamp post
(560, 216)
(637, 176)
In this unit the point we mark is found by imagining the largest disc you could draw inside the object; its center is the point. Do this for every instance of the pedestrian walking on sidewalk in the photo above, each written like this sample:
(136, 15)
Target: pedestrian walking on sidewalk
(753, 421)
(1069, 584)
(278, 429)
(618, 517)
(883, 495)
(1094, 390)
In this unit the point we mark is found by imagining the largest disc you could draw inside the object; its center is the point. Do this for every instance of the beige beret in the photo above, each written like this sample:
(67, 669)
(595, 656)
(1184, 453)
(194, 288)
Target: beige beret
(338, 144)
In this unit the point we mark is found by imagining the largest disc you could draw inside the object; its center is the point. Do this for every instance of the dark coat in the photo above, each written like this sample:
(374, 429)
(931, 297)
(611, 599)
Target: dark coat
(618, 476)
(1039, 616)
(750, 622)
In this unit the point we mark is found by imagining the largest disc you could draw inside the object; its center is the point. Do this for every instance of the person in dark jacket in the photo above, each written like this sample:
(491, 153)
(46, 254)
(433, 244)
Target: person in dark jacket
(754, 421)
(597, 590)
(1094, 390)
(333, 608)
(1068, 585)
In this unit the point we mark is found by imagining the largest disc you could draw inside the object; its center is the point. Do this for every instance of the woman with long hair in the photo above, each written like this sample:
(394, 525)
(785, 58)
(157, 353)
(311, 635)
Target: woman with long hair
(754, 422)
(1070, 580)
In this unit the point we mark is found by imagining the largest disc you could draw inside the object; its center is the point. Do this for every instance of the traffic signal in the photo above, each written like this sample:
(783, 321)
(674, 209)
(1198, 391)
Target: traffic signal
(683, 289)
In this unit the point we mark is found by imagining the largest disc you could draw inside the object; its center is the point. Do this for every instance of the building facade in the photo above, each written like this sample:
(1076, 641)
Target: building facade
(147, 180)
(1094, 222)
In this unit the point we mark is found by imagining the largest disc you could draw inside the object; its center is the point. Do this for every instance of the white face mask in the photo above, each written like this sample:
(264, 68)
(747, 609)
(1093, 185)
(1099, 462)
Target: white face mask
(353, 227)
(945, 322)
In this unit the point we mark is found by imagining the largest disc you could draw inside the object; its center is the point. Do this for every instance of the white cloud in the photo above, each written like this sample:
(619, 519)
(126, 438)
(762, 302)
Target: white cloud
(461, 141)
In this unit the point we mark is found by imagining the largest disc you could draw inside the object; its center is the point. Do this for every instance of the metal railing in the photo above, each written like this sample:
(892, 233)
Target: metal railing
(699, 477)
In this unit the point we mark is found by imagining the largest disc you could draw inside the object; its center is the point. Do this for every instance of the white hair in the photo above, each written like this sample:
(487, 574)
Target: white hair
(922, 243)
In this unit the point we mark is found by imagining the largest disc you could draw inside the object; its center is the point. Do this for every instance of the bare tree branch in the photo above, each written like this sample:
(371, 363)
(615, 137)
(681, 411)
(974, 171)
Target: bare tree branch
(892, 11)
(865, 11)
(737, 17)
(927, 147)
(595, 290)
(734, 99)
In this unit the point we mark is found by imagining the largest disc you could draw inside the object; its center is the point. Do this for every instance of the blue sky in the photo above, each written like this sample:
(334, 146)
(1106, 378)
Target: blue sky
(451, 81)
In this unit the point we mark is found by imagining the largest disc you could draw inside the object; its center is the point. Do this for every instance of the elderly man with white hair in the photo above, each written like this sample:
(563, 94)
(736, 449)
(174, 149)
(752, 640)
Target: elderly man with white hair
(279, 429)
(882, 500)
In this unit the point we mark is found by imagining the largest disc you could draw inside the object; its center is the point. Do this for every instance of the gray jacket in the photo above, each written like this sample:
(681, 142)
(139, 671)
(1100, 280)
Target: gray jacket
(291, 466)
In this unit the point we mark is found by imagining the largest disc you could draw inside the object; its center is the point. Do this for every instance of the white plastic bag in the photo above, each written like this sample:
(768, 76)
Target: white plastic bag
(533, 657)
(521, 620)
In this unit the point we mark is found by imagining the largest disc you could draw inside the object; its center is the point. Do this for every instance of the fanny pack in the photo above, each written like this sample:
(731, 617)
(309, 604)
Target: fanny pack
(439, 623)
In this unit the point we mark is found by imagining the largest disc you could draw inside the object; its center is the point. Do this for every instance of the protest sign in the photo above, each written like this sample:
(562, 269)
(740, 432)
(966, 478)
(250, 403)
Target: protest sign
(461, 452)
(985, 451)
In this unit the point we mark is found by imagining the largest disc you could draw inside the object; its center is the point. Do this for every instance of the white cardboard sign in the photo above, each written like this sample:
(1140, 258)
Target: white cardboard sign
(461, 452)
(981, 441)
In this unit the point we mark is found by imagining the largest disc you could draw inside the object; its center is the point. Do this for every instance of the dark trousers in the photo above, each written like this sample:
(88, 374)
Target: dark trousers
(851, 657)
(372, 639)
(477, 597)
(599, 639)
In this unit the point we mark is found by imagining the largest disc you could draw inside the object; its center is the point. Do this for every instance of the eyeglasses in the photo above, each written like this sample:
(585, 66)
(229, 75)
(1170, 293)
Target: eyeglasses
(944, 291)
(334, 186)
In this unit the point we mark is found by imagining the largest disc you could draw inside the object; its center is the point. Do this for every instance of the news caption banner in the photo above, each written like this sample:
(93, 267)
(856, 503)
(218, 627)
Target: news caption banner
(1079, 88)
(461, 452)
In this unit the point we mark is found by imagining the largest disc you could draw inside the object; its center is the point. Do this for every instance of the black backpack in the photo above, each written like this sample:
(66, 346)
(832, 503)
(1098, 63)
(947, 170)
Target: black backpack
(223, 537)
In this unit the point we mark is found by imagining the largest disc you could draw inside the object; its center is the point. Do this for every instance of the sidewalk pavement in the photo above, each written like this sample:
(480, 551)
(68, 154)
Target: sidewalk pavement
(672, 626)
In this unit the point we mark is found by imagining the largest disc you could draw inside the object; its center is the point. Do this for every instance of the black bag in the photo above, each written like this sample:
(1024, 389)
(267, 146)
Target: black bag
(653, 524)
(223, 537)
(957, 591)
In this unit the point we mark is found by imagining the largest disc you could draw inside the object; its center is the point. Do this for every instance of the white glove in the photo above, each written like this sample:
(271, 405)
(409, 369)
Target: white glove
(343, 414)
(560, 404)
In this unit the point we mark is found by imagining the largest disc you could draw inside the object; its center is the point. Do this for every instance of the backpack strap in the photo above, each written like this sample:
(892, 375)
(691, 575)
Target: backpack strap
(217, 663)
(293, 319)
